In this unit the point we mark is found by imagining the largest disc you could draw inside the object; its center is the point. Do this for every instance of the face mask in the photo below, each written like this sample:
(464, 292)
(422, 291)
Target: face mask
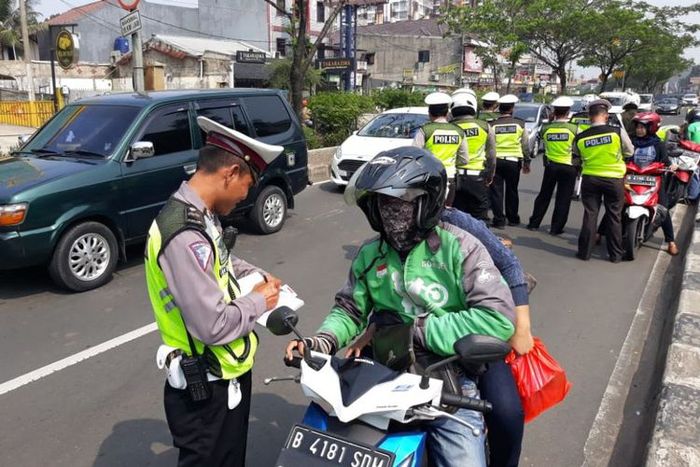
(399, 223)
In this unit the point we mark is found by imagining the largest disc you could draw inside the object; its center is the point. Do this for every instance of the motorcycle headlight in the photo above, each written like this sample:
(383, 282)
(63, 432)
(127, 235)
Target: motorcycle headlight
(338, 153)
(12, 214)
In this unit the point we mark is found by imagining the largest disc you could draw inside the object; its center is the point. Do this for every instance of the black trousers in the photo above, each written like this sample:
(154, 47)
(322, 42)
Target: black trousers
(611, 192)
(507, 176)
(208, 433)
(563, 178)
(472, 196)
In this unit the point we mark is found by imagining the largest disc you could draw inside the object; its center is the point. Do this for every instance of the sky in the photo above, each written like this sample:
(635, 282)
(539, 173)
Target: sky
(49, 7)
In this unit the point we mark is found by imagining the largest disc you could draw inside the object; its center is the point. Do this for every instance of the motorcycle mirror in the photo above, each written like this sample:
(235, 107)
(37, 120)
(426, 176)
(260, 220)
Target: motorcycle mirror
(282, 321)
(478, 349)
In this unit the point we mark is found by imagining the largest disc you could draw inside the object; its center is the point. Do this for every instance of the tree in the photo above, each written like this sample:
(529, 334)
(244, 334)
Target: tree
(281, 69)
(626, 33)
(10, 23)
(550, 29)
(493, 23)
(649, 70)
(303, 51)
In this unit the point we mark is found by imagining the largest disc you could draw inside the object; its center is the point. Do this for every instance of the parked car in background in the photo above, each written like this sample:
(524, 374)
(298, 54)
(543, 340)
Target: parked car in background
(646, 102)
(93, 178)
(391, 129)
(690, 99)
(534, 115)
(668, 105)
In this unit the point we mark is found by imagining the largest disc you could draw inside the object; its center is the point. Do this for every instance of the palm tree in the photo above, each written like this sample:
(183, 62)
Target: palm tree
(11, 25)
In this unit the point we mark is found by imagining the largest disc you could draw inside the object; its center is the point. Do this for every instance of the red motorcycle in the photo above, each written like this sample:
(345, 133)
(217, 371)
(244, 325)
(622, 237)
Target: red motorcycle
(643, 214)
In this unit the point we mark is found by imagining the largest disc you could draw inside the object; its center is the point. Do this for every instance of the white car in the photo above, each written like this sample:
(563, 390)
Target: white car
(391, 129)
(690, 99)
(646, 102)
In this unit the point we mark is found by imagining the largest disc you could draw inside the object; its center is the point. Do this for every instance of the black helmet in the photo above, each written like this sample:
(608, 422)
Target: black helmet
(408, 173)
(693, 115)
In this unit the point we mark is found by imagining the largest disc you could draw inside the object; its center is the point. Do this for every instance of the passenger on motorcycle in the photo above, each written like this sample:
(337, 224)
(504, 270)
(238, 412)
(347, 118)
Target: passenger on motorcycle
(423, 277)
(692, 127)
(649, 148)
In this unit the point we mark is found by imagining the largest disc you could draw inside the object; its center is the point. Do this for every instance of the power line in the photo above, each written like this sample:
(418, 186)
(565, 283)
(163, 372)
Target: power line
(93, 18)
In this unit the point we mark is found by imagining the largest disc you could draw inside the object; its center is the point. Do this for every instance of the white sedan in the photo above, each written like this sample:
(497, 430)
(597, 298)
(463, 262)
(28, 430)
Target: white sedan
(391, 129)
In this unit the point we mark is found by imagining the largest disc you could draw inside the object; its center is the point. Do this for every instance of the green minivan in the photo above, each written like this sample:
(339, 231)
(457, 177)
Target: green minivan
(93, 178)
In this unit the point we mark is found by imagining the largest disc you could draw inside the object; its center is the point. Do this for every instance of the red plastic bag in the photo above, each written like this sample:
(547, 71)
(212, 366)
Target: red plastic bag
(541, 382)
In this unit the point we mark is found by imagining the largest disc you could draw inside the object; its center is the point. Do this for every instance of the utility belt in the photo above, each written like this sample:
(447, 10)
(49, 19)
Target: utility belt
(472, 173)
(510, 158)
(191, 373)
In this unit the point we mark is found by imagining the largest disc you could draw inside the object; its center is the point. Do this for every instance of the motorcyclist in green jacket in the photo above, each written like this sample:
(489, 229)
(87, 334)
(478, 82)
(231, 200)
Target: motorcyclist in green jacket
(423, 275)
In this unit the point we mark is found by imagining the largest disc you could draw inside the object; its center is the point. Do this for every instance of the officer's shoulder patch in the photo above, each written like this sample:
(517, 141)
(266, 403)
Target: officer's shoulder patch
(202, 253)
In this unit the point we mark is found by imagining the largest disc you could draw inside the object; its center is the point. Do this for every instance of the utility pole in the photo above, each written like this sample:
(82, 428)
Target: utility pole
(139, 85)
(27, 48)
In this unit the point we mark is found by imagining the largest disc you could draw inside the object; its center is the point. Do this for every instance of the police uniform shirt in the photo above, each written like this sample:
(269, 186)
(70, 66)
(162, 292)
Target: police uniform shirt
(462, 152)
(490, 165)
(627, 146)
(524, 139)
(187, 263)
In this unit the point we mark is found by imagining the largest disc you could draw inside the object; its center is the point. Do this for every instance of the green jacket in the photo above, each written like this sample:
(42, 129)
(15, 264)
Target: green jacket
(449, 276)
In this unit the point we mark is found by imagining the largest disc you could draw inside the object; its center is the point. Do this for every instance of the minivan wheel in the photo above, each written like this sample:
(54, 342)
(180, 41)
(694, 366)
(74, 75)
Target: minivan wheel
(270, 210)
(85, 257)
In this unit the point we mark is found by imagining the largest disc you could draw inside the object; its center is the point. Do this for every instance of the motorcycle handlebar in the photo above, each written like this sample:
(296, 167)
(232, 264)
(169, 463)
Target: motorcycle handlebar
(295, 362)
(464, 402)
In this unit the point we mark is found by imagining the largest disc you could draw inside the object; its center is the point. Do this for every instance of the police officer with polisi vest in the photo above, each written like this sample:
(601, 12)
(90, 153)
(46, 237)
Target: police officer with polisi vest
(444, 139)
(557, 138)
(599, 152)
(512, 155)
(205, 323)
(474, 177)
(489, 104)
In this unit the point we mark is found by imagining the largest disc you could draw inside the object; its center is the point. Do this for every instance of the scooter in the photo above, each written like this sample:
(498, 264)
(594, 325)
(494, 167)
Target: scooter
(687, 162)
(643, 214)
(364, 414)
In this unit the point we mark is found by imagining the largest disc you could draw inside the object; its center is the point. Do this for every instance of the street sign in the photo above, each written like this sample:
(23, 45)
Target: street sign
(336, 63)
(250, 57)
(130, 23)
(129, 4)
(67, 49)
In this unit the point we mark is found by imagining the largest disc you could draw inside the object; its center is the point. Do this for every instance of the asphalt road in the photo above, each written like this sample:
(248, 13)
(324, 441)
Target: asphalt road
(107, 411)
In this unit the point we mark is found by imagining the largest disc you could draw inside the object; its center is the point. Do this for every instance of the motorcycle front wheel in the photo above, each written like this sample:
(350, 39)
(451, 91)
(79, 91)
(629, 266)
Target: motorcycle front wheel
(632, 236)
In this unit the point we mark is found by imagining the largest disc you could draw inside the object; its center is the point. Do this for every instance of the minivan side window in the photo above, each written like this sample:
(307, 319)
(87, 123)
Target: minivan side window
(231, 117)
(169, 133)
(268, 115)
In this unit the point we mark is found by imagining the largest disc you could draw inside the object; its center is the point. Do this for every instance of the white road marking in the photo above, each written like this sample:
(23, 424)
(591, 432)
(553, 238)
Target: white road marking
(62, 364)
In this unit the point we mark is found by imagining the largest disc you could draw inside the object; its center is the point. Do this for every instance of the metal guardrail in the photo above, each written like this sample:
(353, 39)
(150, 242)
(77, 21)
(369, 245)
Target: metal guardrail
(25, 113)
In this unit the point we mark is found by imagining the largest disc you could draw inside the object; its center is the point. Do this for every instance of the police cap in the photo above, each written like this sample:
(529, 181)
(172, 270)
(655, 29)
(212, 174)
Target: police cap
(491, 97)
(256, 154)
(563, 101)
(438, 98)
(509, 99)
(600, 103)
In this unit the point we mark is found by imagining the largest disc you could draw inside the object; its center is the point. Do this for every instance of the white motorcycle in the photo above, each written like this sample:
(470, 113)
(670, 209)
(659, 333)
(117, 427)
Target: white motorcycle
(364, 414)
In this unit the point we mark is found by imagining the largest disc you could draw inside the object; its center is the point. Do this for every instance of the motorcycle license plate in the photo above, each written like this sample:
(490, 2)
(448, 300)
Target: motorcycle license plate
(319, 449)
(647, 180)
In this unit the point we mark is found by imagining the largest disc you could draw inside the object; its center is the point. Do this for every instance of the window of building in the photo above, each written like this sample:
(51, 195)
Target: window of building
(320, 12)
(369, 58)
(169, 133)
(268, 115)
(282, 46)
(321, 51)
(423, 56)
(281, 6)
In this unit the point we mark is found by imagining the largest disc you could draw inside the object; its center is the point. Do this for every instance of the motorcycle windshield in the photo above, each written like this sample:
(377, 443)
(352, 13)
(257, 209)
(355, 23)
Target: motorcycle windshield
(359, 375)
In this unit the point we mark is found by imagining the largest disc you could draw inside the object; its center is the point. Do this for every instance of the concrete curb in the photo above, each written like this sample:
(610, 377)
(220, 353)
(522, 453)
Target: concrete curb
(320, 163)
(676, 438)
(605, 430)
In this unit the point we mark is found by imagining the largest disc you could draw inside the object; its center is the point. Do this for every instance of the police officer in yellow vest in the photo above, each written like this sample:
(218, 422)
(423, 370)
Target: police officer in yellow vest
(205, 324)
(557, 138)
(599, 152)
(444, 139)
(474, 177)
(489, 107)
(512, 155)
